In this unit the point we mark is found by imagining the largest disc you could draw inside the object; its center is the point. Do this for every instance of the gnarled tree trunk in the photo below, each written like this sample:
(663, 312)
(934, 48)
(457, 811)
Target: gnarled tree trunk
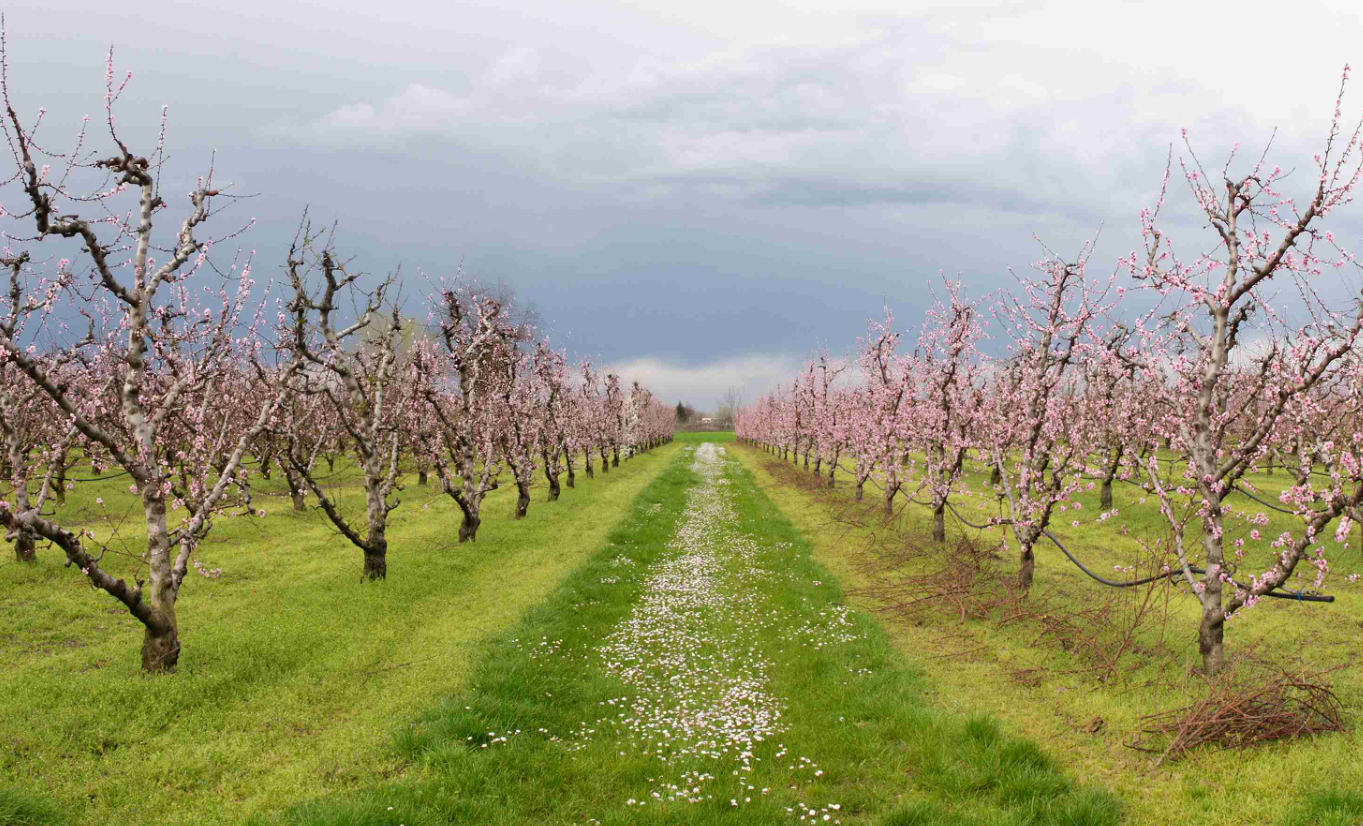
(161, 643)
(25, 547)
(1026, 568)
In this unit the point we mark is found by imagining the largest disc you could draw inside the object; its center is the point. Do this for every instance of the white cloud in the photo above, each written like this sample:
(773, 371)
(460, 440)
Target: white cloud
(701, 385)
(417, 108)
(1027, 110)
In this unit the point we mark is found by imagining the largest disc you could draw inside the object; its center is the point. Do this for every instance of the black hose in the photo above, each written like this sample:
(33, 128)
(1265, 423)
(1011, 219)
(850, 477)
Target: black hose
(1297, 595)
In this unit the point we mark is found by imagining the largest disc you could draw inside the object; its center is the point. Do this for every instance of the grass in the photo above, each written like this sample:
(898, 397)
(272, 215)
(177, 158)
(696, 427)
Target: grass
(293, 673)
(513, 746)
(1311, 781)
(21, 808)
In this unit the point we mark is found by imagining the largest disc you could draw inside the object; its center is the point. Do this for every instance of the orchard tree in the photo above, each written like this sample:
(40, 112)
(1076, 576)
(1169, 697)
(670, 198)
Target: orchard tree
(159, 335)
(1228, 345)
(612, 420)
(884, 420)
(588, 418)
(551, 383)
(520, 425)
(459, 380)
(1030, 429)
(948, 396)
(354, 378)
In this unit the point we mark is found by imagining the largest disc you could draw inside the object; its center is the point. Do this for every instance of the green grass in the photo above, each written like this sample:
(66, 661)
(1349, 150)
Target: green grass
(885, 755)
(980, 658)
(21, 808)
(293, 673)
(1334, 808)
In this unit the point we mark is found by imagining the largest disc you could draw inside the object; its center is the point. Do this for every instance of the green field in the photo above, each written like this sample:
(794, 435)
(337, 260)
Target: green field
(549, 733)
(294, 674)
(1026, 679)
(476, 684)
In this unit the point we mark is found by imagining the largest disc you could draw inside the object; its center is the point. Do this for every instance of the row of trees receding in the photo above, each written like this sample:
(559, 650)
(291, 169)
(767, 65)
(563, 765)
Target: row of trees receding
(136, 351)
(1078, 387)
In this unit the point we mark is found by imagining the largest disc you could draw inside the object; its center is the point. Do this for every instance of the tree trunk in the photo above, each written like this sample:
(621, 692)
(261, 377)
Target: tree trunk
(860, 490)
(889, 501)
(939, 522)
(1211, 639)
(572, 473)
(1211, 629)
(296, 492)
(1026, 567)
(553, 489)
(615, 459)
(376, 560)
(522, 501)
(1105, 499)
(376, 540)
(818, 465)
(468, 528)
(25, 547)
(161, 644)
(421, 477)
(161, 639)
(591, 474)
(995, 477)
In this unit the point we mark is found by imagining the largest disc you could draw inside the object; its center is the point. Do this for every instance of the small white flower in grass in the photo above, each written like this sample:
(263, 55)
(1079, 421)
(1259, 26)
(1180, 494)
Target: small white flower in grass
(99, 500)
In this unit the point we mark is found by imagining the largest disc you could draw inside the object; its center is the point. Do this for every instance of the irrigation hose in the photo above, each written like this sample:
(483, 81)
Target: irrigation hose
(1293, 595)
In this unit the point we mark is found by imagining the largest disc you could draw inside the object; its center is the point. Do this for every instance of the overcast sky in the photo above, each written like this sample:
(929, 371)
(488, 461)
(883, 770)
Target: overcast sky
(700, 192)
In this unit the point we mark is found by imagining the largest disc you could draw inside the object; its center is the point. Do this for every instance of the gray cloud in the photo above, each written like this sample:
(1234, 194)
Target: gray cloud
(695, 182)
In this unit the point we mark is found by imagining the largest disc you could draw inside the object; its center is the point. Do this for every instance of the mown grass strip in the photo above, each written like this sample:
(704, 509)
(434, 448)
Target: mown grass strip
(856, 733)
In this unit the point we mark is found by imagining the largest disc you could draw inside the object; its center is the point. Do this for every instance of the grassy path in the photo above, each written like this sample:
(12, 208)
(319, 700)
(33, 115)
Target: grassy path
(293, 673)
(702, 668)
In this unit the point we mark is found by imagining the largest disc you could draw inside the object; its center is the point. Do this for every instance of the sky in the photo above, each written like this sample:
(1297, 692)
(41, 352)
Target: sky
(700, 194)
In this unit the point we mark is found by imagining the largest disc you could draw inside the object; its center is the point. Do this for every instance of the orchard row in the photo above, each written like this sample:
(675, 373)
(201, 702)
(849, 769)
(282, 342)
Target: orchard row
(1175, 374)
(138, 353)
